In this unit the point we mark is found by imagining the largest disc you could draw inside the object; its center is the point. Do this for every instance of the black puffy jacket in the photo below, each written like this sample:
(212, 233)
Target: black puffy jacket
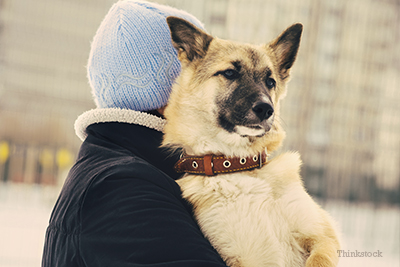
(120, 206)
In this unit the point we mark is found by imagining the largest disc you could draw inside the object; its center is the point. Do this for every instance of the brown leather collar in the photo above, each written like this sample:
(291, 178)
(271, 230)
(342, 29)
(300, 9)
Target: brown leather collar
(211, 164)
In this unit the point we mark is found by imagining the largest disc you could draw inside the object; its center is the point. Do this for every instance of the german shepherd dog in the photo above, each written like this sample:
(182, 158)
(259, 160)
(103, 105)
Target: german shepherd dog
(223, 112)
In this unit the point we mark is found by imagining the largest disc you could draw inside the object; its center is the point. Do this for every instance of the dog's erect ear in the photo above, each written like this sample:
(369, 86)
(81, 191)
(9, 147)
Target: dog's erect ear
(285, 47)
(188, 39)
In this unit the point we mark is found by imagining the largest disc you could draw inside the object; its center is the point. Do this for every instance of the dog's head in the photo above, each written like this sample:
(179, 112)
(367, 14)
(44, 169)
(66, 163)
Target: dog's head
(226, 99)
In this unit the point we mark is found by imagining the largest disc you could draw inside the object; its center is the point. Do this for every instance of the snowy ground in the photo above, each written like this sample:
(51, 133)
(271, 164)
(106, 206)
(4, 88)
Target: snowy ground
(25, 210)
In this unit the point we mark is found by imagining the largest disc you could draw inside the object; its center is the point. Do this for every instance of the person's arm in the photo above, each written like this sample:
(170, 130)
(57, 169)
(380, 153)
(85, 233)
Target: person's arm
(134, 222)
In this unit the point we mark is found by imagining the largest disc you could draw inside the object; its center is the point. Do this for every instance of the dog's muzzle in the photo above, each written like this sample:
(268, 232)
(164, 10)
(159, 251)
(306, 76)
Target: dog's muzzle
(251, 116)
(258, 121)
(263, 110)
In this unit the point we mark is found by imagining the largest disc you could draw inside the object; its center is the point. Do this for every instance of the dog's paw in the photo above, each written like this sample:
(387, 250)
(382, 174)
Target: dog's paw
(320, 260)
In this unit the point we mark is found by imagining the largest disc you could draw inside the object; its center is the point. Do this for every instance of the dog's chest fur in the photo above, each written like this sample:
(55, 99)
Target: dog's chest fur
(252, 217)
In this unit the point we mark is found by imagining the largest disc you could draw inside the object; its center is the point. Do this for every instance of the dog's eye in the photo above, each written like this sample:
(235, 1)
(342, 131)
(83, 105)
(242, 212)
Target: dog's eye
(230, 74)
(270, 83)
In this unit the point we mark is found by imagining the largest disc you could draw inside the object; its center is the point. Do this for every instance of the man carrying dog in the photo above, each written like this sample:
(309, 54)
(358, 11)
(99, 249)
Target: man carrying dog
(120, 204)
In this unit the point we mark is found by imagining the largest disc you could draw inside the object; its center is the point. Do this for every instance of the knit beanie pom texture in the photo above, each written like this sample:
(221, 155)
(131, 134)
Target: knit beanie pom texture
(132, 62)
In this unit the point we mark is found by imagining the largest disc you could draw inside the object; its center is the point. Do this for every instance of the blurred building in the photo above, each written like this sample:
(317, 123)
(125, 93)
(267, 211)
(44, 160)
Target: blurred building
(44, 46)
(341, 111)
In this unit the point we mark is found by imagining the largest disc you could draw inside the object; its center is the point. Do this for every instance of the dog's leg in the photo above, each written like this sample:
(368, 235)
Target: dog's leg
(312, 227)
(324, 254)
(324, 247)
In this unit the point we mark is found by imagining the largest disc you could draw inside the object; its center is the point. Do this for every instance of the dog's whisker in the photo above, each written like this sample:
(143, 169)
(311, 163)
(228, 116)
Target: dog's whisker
(282, 122)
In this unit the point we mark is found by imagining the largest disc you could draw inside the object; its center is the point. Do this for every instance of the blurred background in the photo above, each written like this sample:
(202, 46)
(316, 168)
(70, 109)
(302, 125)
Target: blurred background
(342, 111)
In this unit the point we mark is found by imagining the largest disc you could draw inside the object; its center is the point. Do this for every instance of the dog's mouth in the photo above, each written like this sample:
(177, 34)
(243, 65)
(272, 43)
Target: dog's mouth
(251, 130)
(254, 130)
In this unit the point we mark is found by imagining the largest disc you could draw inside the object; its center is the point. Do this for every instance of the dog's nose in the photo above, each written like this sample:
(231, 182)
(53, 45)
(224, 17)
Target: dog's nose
(263, 110)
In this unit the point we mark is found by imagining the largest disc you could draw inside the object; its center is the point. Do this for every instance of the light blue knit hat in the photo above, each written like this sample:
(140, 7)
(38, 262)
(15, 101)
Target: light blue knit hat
(132, 63)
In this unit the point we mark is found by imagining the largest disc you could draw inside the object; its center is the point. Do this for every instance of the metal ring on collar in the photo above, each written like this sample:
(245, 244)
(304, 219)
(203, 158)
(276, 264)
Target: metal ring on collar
(195, 164)
(226, 163)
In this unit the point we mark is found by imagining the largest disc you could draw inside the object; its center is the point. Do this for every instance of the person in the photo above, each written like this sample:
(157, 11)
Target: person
(120, 204)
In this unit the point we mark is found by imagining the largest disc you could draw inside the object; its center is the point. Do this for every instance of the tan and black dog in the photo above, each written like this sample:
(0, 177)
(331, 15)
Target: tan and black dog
(224, 113)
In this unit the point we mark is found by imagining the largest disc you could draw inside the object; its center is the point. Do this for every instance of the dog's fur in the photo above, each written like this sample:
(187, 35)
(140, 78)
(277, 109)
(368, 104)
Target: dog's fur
(226, 102)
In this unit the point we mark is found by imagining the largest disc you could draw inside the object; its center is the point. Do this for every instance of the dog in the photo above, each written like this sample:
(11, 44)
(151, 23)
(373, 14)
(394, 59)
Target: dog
(223, 113)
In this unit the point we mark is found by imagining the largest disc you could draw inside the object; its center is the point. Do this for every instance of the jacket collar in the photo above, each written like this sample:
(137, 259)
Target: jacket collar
(100, 115)
(138, 132)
